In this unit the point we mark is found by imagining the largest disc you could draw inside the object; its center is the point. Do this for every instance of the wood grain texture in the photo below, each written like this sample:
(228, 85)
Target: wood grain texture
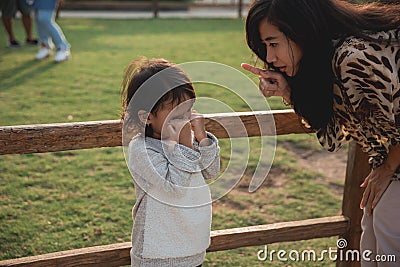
(41, 138)
(278, 232)
(118, 254)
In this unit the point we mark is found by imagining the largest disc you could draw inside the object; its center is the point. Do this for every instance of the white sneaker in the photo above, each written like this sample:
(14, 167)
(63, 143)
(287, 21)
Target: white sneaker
(43, 53)
(62, 55)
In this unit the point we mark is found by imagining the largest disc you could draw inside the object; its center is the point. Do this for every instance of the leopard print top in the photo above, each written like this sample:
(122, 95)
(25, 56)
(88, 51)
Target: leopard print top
(366, 96)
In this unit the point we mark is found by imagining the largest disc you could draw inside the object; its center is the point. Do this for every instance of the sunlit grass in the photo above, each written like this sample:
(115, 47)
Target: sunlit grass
(64, 200)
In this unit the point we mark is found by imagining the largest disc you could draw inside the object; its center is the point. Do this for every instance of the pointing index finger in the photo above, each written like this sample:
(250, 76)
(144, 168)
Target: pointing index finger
(255, 70)
(251, 68)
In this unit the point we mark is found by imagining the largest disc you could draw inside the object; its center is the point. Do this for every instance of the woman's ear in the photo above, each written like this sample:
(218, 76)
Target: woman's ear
(144, 116)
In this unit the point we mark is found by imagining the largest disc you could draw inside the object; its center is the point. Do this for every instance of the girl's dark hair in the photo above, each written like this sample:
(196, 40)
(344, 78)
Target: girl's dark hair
(171, 85)
(313, 24)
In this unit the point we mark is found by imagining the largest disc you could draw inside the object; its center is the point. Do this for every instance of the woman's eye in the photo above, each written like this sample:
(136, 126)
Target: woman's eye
(273, 44)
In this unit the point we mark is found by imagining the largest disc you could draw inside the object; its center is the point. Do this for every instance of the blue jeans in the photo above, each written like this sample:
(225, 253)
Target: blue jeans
(48, 30)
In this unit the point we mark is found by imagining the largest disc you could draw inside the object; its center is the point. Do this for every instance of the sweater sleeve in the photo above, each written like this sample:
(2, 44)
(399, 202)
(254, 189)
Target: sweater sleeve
(333, 136)
(161, 168)
(210, 165)
(203, 159)
(151, 170)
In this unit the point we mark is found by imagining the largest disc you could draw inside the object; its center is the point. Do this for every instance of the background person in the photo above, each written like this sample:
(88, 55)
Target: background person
(338, 65)
(8, 11)
(50, 34)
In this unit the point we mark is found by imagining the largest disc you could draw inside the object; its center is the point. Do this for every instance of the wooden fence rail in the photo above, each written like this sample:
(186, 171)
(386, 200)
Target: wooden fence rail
(118, 254)
(152, 5)
(82, 135)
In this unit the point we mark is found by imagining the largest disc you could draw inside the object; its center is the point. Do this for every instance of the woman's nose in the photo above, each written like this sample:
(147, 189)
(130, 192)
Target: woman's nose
(271, 57)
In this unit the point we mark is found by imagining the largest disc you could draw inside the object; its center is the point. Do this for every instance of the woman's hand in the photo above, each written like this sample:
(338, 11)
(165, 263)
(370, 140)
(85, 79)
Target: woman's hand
(271, 83)
(375, 185)
(379, 179)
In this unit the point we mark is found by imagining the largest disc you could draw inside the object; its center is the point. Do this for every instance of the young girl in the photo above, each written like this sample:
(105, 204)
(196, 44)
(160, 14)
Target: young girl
(169, 159)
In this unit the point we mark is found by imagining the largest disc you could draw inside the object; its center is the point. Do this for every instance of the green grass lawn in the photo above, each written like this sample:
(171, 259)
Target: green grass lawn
(58, 201)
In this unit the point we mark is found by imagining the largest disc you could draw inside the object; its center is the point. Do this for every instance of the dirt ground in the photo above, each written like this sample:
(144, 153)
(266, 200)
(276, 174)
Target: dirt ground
(332, 165)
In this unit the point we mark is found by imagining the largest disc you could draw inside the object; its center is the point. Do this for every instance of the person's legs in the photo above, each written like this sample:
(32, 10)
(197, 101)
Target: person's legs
(8, 8)
(26, 18)
(46, 19)
(27, 22)
(368, 240)
(7, 22)
(386, 225)
(44, 36)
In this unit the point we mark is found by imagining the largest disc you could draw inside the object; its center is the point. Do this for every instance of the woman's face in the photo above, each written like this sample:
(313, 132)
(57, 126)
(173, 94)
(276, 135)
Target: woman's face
(282, 52)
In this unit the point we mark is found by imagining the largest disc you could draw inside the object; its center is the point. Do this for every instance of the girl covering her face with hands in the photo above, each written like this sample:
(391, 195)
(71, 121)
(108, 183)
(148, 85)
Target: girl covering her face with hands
(169, 158)
(338, 66)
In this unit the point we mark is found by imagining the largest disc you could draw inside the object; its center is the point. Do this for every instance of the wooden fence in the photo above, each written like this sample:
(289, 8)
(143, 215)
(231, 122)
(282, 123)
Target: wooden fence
(83, 135)
(155, 6)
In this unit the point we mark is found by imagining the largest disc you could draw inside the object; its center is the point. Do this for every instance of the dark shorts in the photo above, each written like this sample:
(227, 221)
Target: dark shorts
(10, 7)
(23, 7)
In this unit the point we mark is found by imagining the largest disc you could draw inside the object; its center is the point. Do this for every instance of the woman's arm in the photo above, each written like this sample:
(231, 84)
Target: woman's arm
(359, 97)
(393, 160)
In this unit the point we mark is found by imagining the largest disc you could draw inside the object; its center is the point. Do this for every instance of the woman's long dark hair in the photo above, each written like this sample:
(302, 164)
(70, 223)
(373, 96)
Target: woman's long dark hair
(313, 24)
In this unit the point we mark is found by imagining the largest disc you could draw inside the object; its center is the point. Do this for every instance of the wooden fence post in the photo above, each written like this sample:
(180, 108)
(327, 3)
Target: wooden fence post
(155, 9)
(240, 6)
(357, 169)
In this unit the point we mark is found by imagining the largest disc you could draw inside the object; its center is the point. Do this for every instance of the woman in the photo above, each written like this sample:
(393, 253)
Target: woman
(338, 65)
(49, 32)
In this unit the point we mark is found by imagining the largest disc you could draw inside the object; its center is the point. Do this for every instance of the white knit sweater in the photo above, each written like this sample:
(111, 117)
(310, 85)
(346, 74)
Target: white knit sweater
(172, 213)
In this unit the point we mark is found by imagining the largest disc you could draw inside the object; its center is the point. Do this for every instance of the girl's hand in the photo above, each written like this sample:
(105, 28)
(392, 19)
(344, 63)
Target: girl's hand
(185, 135)
(178, 131)
(271, 83)
(375, 185)
(197, 122)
